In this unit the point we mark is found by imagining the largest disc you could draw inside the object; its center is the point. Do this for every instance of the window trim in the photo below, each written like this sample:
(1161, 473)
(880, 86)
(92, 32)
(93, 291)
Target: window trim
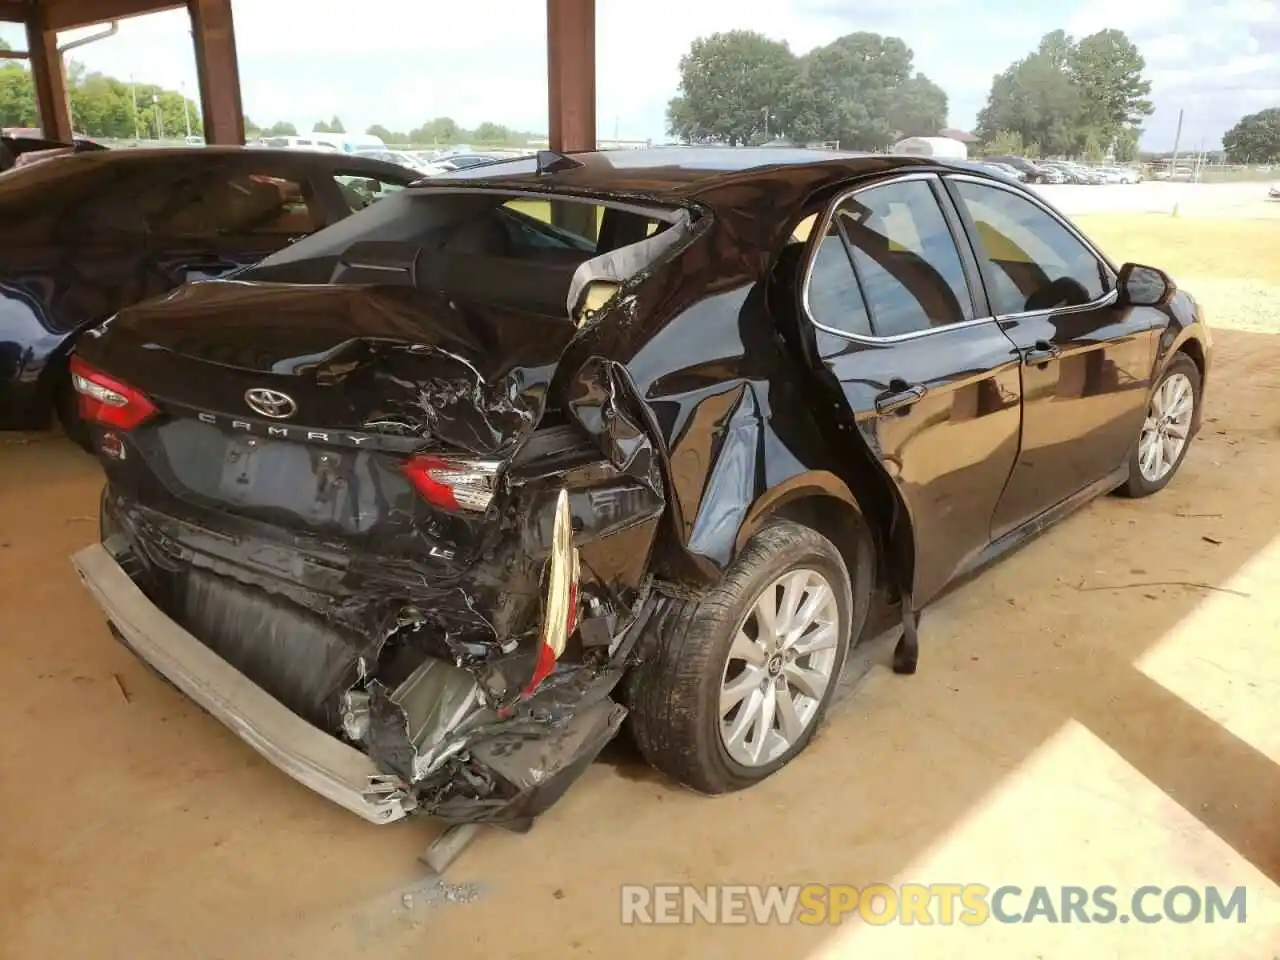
(1108, 296)
(824, 224)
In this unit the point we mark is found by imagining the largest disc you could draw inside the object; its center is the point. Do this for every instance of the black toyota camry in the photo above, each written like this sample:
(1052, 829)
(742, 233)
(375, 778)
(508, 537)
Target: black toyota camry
(423, 506)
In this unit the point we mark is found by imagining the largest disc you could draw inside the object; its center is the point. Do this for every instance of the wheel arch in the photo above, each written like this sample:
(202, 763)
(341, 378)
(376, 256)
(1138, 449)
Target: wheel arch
(820, 500)
(1189, 343)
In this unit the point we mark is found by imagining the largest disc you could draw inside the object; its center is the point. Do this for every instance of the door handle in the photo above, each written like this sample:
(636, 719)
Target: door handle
(899, 397)
(1041, 354)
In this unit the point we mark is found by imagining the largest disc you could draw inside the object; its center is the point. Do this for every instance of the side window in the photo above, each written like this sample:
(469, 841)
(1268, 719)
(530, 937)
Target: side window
(833, 297)
(905, 257)
(536, 219)
(360, 190)
(249, 204)
(1035, 263)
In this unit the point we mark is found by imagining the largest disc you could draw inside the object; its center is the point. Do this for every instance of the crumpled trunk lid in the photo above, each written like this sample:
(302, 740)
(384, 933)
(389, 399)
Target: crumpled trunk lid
(355, 380)
(390, 361)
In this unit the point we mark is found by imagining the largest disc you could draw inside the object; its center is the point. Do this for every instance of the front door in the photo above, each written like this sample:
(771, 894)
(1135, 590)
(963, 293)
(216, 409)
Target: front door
(1086, 363)
(930, 381)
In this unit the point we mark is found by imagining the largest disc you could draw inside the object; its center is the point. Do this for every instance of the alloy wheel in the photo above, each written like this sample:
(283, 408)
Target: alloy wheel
(779, 668)
(1166, 428)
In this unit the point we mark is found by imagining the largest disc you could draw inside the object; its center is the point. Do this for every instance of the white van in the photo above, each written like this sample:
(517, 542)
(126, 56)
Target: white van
(341, 142)
(942, 148)
(349, 142)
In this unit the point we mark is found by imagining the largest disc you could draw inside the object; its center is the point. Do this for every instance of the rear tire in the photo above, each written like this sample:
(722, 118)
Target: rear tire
(678, 693)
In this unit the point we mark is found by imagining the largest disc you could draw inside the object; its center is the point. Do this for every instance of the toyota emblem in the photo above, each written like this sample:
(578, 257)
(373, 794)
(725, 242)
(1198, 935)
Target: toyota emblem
(270, 403)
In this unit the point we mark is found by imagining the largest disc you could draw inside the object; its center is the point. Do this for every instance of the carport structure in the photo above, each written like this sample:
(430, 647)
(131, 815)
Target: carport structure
(570, 62)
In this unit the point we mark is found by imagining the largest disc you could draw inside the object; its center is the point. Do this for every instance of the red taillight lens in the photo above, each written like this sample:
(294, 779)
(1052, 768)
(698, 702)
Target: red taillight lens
(453, 483)
(109, 401)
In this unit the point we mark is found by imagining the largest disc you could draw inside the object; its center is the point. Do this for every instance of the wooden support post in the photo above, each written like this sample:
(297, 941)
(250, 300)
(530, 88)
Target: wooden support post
(571, 74)
(571, 94)
(50, 81)
(213, 31)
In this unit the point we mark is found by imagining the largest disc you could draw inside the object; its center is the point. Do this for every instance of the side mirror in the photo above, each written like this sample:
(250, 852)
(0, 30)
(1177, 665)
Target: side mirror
(1141, 286)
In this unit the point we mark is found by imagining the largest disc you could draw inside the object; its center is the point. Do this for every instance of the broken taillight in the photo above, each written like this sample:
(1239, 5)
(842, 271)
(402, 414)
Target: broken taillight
(109, 401)
(452, 482)
(560, 606)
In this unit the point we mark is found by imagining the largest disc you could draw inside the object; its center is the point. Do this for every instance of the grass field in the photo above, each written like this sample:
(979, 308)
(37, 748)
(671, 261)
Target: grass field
(1231, 266)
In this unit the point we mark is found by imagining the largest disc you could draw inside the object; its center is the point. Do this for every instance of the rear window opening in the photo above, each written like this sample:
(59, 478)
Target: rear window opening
(558, 256)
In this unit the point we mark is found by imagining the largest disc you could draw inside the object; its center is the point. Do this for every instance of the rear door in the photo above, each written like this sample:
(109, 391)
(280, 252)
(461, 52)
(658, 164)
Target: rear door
(205, 222)
(929, 378)
(1086, 363)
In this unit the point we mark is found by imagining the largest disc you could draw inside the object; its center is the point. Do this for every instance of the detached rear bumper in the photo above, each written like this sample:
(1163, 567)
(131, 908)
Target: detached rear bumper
(312, 757)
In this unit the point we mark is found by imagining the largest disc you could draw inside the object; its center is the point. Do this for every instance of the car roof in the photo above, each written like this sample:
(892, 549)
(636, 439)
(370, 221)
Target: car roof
(141, 156)
(674, 174)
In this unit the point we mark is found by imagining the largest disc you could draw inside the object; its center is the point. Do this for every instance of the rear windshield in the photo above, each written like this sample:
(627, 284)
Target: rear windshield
(533, 251)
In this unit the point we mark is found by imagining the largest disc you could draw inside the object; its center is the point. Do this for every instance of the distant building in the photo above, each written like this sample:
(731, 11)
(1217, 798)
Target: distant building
(962, 135)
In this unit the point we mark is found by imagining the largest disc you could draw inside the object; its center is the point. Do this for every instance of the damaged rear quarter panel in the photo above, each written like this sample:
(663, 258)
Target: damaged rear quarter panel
(696, 360)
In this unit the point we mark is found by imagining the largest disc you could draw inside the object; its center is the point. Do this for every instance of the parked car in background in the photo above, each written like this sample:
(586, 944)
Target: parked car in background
(1073, 172)
(1031, 171)
(461, 161)
(423, 505)
(1174, 173)
(1008, 170)
(16, 150)
(83, 235)
(1274, 192)
(399, 157)
(995, 169)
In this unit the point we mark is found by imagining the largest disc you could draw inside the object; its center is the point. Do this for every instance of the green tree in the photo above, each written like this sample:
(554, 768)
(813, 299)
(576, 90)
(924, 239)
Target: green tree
(1070, 96)
(1255, 138)
(729, 83)
(492, 133)
(1006, 143)
(439, 130)
(1093, 149)
(251, 130)
(918, 108)
(333, 126)
(1107, 70)
(859, 90)
(281, 128)
(1036, 99)
(17, 93)
(387, 136)
(1126, 145)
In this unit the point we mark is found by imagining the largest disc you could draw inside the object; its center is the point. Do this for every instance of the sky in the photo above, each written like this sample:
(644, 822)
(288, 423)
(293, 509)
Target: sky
(401, 62)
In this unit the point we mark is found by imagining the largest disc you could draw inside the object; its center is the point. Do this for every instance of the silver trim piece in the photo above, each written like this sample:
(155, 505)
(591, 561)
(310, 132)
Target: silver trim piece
(824, 223)
(316, 760)
(820, 230)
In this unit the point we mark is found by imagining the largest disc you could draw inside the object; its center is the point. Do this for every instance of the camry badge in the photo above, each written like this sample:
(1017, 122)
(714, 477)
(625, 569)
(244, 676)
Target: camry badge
(270, 403)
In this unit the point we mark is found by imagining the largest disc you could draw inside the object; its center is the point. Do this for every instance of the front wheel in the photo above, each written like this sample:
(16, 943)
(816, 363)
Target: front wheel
(738, 681)
(1173, 412)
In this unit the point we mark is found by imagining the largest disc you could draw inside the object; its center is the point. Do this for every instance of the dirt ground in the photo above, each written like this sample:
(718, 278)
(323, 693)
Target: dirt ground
(1101, 708)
